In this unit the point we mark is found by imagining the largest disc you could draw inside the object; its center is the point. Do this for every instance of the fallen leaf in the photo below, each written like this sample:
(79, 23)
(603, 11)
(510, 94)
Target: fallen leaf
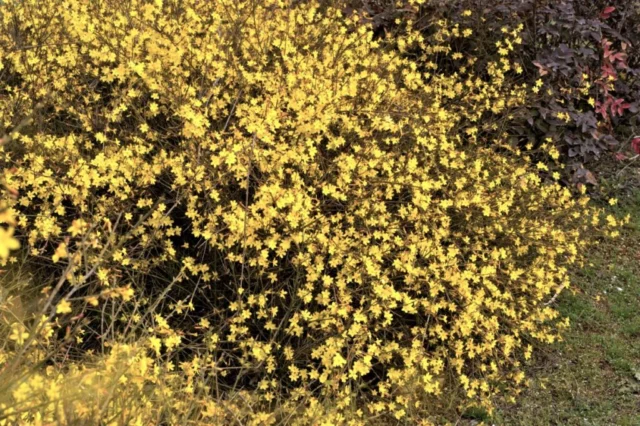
(590, 178)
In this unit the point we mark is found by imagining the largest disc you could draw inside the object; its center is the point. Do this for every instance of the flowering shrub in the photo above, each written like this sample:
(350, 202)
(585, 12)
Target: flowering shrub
(257, 212)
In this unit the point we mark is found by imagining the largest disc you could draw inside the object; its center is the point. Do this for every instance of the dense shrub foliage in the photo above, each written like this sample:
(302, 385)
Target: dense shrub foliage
(584, 54)
(260, 212)
(581, 59)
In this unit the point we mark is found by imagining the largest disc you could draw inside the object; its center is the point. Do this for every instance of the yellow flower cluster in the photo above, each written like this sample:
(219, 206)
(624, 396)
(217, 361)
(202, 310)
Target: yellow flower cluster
(278, 209)
(7, 240)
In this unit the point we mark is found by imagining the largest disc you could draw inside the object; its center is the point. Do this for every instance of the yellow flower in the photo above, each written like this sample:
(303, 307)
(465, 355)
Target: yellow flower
(18, 333)
(7, 242)
(338, 360)
(92, 300)
(60, 253)
(63, 307)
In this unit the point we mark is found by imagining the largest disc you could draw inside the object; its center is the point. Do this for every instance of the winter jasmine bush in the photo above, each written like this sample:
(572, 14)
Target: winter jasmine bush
(256, 212)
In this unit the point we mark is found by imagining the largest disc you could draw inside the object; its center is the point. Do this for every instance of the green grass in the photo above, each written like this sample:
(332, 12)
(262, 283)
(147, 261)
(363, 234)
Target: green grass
(593, 376)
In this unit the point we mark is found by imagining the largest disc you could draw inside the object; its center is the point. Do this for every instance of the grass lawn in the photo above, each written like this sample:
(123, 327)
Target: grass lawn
(593, 376)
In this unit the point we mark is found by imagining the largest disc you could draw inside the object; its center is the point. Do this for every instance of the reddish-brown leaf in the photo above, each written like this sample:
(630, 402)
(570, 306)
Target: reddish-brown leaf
(606, 12)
